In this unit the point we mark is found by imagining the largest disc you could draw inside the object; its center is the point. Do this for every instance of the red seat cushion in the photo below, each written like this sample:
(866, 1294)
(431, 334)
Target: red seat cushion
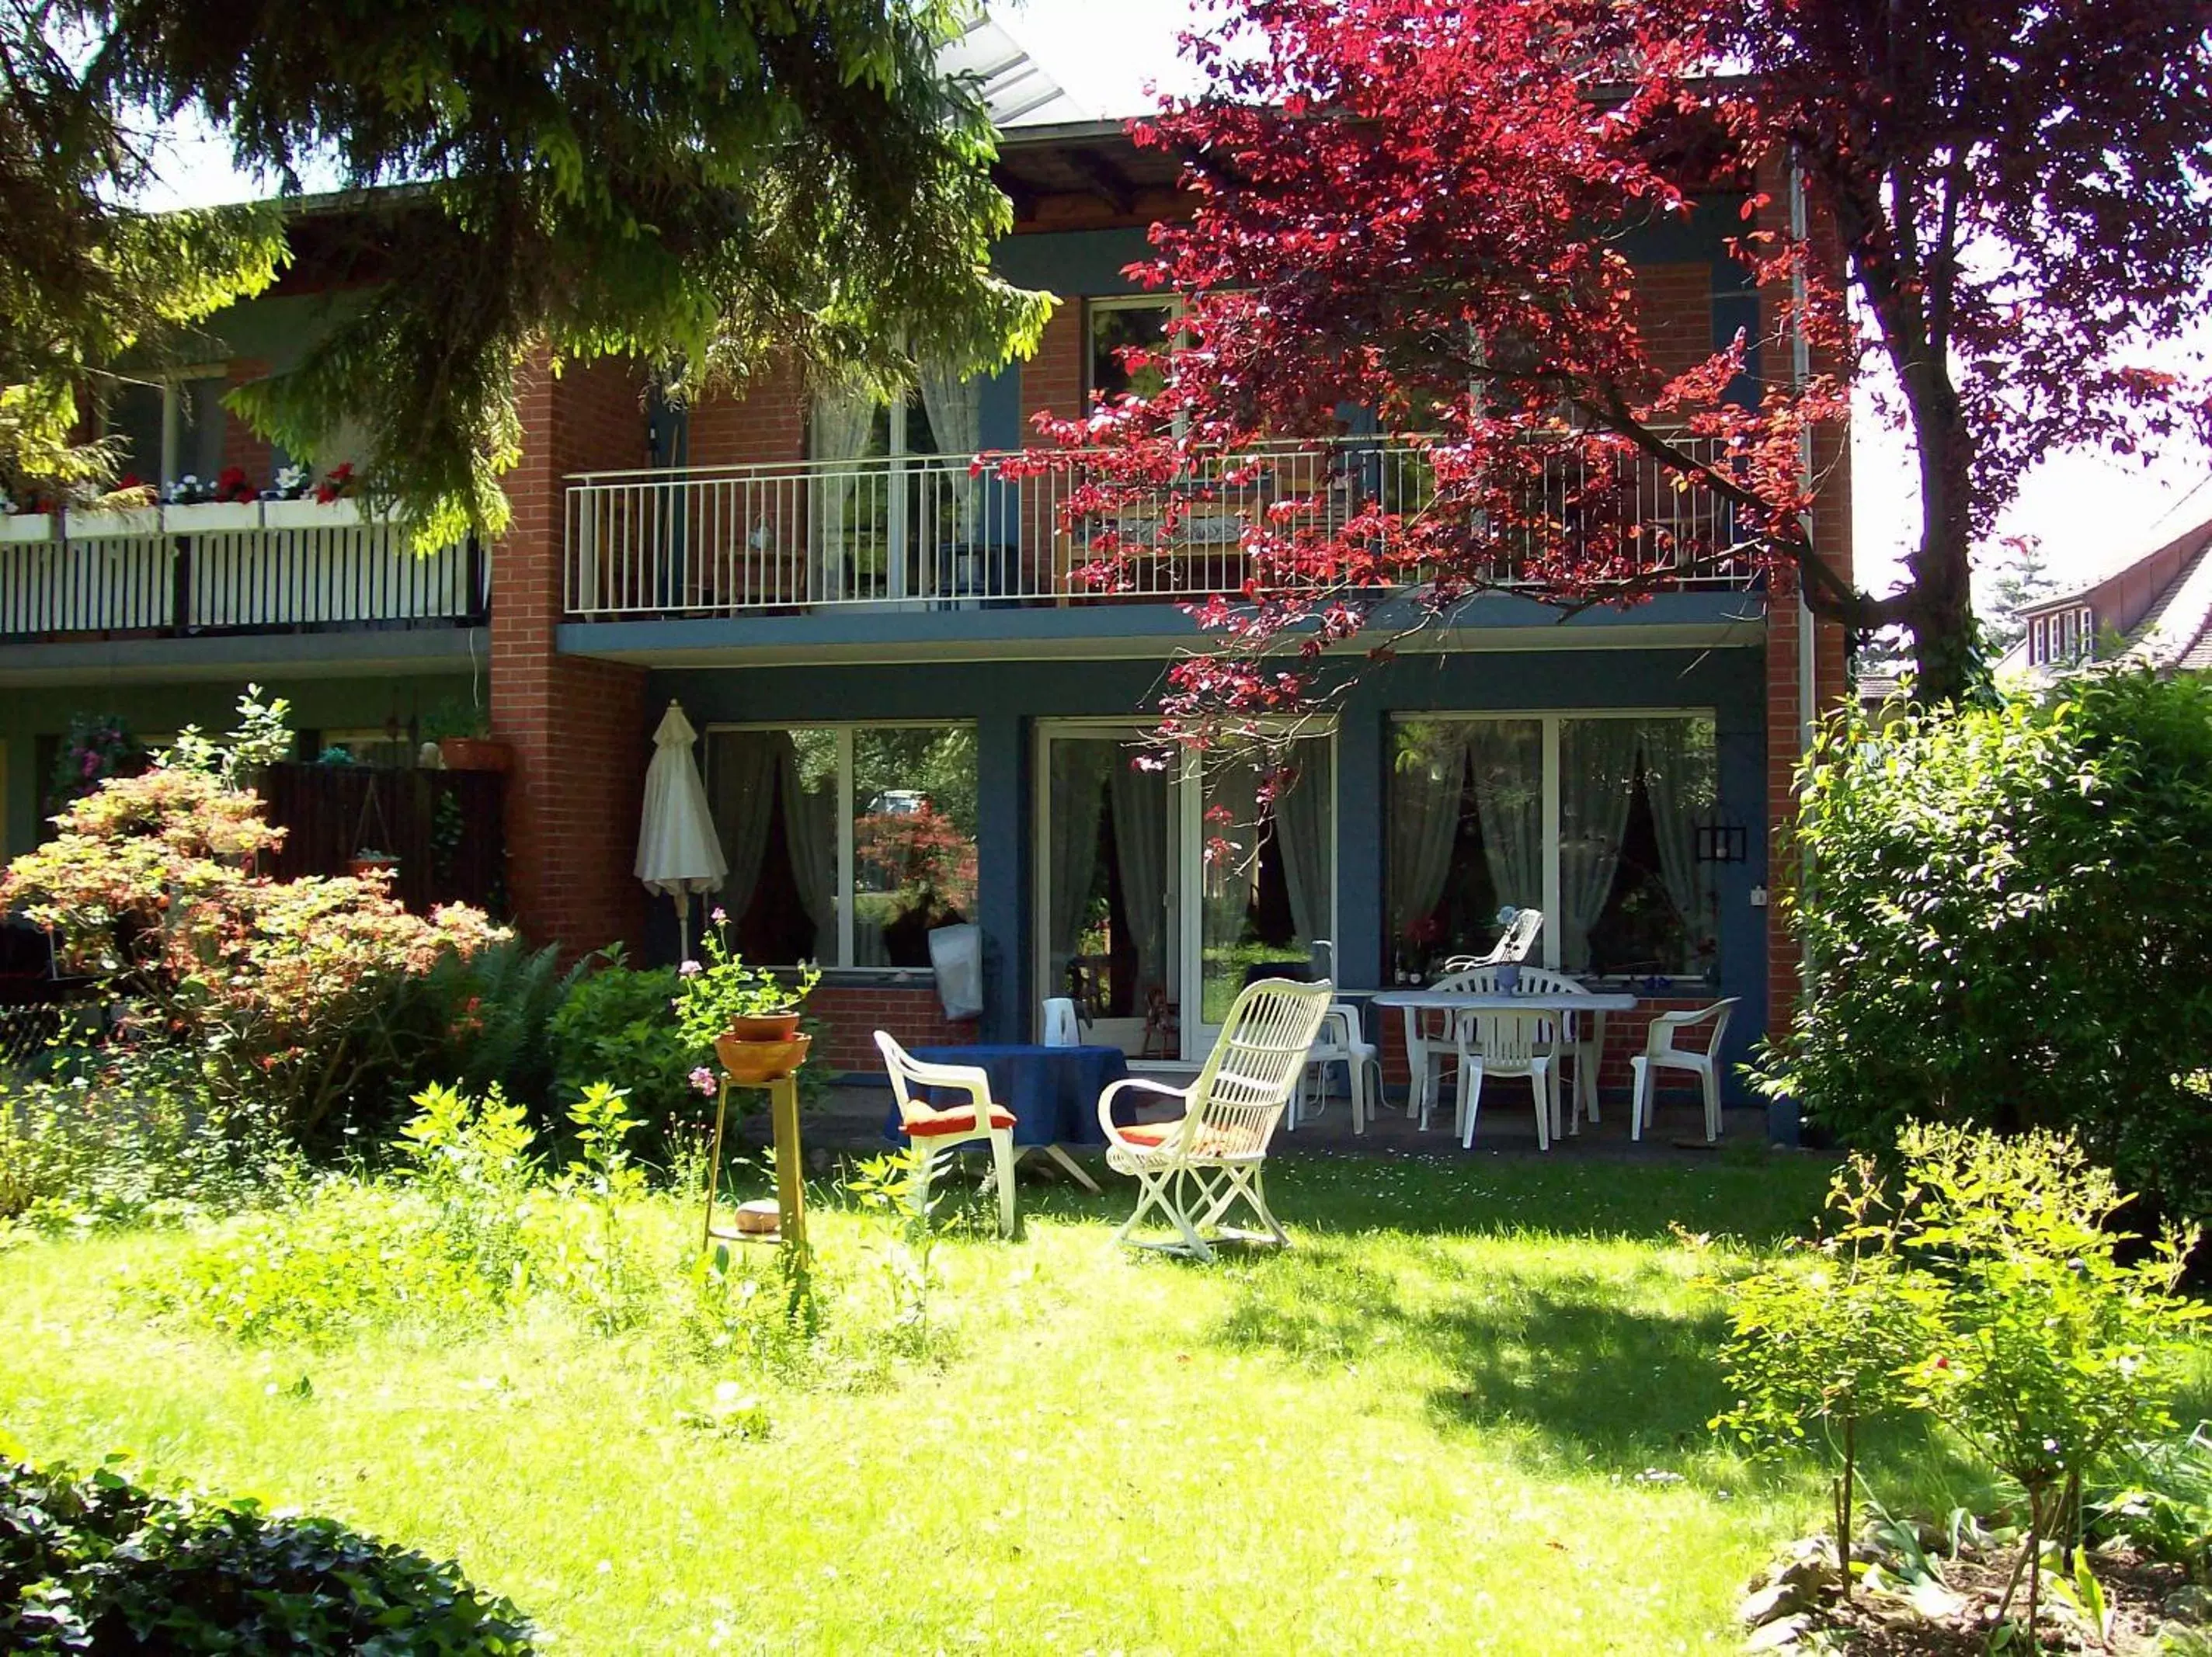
(924, 1123)
(1154, 1134)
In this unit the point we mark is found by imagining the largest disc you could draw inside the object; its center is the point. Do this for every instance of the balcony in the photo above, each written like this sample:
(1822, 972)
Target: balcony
(215, 570)
(956, 531)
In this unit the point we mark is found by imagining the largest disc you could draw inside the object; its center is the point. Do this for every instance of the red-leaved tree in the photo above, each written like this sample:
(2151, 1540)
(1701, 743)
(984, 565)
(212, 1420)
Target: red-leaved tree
(1420, 209)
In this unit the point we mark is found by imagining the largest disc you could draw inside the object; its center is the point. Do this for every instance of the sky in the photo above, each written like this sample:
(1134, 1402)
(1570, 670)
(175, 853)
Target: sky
(2092, 512)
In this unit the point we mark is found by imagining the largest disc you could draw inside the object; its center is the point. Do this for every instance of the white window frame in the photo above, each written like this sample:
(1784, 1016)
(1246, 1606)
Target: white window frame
(2088, 622)
(1551, 718)
(845, 730)
(1171, 303)
(2039, 649)
(173, 412)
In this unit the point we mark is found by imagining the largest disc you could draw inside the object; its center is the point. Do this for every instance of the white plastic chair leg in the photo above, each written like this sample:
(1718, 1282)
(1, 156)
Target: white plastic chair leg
(1470, 1100)
(1547, 1102)
(1639, 1106)
(1711, 1075)
(1002, 1157)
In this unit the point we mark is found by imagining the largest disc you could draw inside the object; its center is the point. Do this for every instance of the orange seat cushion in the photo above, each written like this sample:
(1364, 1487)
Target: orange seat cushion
(924, 1123)
(1154, 1134)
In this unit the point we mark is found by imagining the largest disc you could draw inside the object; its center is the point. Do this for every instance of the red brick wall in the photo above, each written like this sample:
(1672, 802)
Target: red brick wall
(241, 447)
(766, 423)
(581, 729)
(855, 1013)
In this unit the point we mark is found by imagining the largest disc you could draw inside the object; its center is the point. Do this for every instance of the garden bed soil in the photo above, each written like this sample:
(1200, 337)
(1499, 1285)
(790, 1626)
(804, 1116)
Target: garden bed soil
(1881, 1625)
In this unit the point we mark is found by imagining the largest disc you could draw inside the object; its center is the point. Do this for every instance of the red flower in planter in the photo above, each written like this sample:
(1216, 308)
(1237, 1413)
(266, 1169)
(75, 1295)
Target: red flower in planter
(338, 484)
(231, 487)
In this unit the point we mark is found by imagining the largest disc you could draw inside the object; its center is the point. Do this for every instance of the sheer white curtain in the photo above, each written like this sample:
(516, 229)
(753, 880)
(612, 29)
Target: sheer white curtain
(741, 772)
(1678, 777)
(1140, 850)
(1427, 780)
(1597, 776)
(1507, 756)
(838, 430)
(1301, 840)
(1075, 788)
(955, 405)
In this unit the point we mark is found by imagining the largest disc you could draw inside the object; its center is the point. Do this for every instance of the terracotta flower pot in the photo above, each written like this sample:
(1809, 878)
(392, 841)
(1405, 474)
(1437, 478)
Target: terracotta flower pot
(770, 1027)
(751, 1064)
(475, 753)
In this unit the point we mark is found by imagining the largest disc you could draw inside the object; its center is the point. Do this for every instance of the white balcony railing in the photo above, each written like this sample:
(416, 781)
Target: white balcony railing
(956, 531)
(254, 568)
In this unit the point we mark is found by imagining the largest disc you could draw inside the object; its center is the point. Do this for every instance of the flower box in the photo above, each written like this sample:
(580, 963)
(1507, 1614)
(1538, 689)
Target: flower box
(214, 517)
(27, 526)
(311, 514)
(104, 525)
(475, 753)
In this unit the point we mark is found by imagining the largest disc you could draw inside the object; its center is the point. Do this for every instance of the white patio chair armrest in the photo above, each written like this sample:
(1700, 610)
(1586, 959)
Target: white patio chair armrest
(1146, 1084)
(972, 1079)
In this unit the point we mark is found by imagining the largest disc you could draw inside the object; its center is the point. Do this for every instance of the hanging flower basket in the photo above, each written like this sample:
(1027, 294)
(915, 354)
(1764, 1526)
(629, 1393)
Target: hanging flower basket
(364, 864)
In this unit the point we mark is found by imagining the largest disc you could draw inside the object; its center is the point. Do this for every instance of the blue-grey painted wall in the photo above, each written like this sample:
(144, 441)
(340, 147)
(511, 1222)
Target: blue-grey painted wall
(1006, 700)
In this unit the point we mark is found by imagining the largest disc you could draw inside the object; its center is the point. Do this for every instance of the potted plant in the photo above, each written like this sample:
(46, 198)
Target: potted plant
(747, 1014)
(228, 503)
(29, 520)
(465, 739)
(368, 861)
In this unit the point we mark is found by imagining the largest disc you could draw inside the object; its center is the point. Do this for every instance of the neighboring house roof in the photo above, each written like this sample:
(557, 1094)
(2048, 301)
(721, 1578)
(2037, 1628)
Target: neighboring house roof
(1019, 92)
(2158, 604)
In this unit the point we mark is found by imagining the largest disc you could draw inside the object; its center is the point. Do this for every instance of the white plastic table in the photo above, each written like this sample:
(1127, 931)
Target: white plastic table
(1557, 1002)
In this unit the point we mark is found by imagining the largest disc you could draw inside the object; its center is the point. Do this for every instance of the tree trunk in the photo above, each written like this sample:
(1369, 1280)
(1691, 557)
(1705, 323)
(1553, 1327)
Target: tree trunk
(1946, 644)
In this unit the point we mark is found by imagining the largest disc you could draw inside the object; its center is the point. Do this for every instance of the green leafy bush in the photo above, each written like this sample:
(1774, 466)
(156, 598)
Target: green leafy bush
(99, 1564)
(618, 1025)
(450, 1246)
(2010, 925)
(74, 1155)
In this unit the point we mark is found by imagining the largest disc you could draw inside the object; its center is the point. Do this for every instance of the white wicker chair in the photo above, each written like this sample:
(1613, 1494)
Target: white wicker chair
(1660, 1053)
(1194, 1168)
(931, 1130)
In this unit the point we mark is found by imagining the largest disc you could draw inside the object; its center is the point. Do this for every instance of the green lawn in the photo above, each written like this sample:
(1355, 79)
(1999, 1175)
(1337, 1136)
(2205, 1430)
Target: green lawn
(1466, 1413)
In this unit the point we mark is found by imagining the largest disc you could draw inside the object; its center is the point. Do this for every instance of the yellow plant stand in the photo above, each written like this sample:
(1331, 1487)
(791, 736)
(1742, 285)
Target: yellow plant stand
(790, 1187)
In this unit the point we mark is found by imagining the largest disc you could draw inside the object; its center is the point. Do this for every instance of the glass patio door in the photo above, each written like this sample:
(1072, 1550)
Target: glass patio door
(1109, 877)
(1266, 880)
(1121, 848)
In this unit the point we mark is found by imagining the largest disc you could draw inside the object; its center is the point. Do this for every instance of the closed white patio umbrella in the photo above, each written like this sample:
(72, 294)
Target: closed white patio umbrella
(678, 851)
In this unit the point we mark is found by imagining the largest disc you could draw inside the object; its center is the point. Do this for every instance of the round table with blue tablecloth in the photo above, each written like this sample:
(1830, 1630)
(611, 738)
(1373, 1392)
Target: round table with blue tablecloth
(1052, 1092)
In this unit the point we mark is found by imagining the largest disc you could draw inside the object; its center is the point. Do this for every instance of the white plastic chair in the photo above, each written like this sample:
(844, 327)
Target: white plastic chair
(1060, 1028)
(932, 1130)
(1432, 1040)
(1660, 1053)
(1194, 1168)
(1507, 1044)
(1340, 1042)
(1581, 1035)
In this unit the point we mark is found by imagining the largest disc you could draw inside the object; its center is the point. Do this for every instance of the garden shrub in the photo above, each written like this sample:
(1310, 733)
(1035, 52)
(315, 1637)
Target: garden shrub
(277, 990)
(99, 1564)
(617, 1024)
(72, 1155)
(2010, 926)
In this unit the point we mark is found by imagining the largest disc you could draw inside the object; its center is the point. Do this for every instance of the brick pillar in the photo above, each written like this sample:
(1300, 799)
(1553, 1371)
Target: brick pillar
(581, 729)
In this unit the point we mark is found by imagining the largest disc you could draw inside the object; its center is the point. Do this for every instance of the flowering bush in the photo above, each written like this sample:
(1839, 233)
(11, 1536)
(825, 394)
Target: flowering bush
(277, 987)
(97, 746)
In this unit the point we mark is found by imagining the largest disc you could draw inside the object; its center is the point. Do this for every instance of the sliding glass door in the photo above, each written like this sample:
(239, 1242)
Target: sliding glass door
(1121, 845)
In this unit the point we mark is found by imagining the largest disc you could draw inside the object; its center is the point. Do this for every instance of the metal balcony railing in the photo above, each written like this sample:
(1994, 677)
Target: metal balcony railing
(958, 530)
(183, 571)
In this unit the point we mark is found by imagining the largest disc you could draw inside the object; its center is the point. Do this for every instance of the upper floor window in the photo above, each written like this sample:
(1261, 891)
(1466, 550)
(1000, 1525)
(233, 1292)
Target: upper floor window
(169, 429)
(1120, 325)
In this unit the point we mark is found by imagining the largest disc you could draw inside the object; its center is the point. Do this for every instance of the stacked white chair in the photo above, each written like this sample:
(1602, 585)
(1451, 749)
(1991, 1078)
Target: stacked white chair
(1061, 1028)
(1340, 1042)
